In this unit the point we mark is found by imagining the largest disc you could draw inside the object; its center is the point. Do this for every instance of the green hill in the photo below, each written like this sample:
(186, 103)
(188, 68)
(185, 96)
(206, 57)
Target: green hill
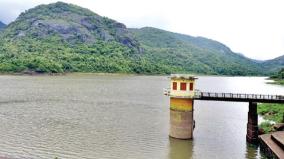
(72, 24)
(62, 37)
(193, 54)
(274, 65)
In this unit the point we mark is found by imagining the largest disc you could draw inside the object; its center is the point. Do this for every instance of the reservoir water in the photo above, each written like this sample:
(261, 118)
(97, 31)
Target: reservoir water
(89, 116)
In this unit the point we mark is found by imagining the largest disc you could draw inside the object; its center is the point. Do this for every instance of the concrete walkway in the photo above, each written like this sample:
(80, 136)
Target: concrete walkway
(273, 144)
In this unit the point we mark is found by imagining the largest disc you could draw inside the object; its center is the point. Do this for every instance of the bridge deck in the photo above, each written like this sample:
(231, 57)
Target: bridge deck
(239, 97)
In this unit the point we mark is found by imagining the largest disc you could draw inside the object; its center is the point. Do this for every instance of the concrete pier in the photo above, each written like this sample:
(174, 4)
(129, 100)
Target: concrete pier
(252, 125)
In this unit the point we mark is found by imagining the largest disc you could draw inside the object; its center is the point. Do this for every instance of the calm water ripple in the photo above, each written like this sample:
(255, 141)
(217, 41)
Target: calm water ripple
(91, 116)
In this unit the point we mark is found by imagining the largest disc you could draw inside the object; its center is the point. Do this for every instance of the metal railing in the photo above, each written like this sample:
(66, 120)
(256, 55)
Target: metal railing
(232, 96)
(199, 94)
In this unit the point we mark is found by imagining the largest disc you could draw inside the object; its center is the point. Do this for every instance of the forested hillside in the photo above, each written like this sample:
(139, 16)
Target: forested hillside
(274, 65)
(62, 37)
(193, 54)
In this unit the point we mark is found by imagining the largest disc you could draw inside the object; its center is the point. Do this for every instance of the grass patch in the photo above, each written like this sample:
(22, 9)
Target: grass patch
(267, 127)
(272, 112)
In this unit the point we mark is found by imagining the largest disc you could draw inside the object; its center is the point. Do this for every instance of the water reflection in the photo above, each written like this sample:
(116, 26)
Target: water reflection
(253, 152)
(180, 149)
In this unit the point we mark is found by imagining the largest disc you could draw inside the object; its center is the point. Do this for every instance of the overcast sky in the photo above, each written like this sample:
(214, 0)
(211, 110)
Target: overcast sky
(254, 28)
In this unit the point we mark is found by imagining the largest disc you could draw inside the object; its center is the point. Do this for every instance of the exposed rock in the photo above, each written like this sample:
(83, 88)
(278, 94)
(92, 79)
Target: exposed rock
(71, 23)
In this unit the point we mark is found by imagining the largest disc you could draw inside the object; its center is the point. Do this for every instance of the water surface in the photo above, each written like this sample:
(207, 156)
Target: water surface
(119, 116)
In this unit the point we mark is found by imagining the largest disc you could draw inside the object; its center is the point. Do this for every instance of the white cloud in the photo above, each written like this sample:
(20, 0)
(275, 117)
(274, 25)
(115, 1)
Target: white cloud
(253, 27)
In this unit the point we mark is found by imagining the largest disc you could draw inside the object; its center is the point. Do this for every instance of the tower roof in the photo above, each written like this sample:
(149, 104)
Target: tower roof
(183, 76)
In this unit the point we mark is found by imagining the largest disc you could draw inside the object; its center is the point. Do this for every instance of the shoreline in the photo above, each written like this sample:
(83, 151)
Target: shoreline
(275, 81)
(129, 74)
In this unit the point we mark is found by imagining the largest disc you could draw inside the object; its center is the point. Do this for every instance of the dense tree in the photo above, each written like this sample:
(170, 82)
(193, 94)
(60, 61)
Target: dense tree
(62, 37)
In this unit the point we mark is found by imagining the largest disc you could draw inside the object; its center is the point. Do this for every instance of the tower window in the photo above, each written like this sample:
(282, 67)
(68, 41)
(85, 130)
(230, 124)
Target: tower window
(191, 86)
(183, 86)
(174, 86)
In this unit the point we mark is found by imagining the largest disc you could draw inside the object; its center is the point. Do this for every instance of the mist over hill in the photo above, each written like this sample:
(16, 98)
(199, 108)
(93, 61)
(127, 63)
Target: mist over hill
(61, 37)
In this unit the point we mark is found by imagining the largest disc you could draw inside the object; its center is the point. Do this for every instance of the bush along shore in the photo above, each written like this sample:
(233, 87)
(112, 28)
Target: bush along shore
(278, 78)
(273, 114)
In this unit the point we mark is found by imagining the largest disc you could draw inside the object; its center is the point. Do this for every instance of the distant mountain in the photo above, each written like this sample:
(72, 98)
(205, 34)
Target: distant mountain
(62, 37)
(2, 25)
(70, 23)
(273, 65)
(193, 54)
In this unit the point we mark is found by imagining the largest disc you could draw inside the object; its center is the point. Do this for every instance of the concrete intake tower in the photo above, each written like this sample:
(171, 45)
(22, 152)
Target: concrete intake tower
(181, 106)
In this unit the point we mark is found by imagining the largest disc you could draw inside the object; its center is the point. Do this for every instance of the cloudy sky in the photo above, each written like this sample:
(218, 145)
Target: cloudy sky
(254, 28)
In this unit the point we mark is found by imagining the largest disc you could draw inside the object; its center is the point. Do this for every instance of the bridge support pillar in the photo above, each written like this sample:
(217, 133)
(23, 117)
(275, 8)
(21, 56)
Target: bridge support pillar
(252, 125)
